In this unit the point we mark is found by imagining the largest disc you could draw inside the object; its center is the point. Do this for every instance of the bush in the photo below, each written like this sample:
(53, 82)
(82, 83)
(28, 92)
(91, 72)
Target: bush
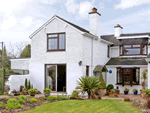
(29, 87)
(47, 90)
(109, 87)
(33, 100)
(22, 97)
(21, 101)
(75, 93)
(146, 91)
(12, 103)
(126, 89)
(51, 98)
(62, 97)
(26, 83)
(102, 82)
(134, 90)
(1, 104)
(32, 91)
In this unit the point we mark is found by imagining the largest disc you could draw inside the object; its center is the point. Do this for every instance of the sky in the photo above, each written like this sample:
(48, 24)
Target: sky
(20, 18)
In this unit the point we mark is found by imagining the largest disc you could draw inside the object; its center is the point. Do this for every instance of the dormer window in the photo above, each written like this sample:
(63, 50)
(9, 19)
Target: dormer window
(56, 42)
(133, 50)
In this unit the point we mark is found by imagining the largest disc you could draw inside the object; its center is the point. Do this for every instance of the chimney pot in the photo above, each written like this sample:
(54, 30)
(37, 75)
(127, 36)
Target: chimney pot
(94, 10)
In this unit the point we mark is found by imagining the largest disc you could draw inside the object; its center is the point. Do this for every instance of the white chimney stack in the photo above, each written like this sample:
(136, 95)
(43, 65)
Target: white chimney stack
(118, 30)
(94, 22)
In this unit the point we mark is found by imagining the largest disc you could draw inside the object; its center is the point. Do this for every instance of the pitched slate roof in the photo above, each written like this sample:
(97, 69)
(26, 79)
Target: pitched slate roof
(127, 61)
(135, 34)
(148, 56)
(98, 68)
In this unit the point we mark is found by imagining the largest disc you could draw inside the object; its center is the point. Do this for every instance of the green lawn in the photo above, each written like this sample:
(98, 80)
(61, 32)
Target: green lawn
(86, 106)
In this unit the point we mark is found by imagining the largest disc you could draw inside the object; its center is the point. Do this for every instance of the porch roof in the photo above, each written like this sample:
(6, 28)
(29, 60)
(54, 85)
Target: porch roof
(98, 68)
(127, 61)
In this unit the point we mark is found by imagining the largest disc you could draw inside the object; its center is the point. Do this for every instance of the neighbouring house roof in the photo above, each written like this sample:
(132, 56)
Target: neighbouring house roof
(134, 34)
(98, 68)
(127, 61)
(148, 56)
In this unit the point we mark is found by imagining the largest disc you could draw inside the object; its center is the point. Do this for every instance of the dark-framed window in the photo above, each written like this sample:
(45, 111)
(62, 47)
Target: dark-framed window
(56, 42)
(133, 49)
(87, 70)
(108, 49)
(128, 76)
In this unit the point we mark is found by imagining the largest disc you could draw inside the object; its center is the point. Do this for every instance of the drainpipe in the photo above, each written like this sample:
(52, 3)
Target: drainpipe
(92, 57)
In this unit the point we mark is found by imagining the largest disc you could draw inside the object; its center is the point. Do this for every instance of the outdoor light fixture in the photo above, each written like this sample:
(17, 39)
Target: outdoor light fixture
(80, 63)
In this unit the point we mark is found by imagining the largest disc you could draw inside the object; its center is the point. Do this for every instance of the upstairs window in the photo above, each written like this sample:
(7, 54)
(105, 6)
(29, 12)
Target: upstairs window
(108, 50)
(87, 70)
(56, 42)
(133, 50)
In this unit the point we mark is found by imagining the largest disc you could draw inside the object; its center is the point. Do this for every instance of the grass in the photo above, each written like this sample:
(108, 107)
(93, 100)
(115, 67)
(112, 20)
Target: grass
(86, 106)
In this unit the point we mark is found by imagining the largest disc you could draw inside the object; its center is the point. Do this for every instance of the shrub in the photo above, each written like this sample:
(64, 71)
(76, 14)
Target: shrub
(1, 104)
(102, 82)
(146, 91)
(12, 103)
(47, 90)
(22, 97)
(26, 83)
(18, 106)
(134, 90)
(33, 100)
(109, 87)
(29, 87)
(51, 98)
(21, 101)
(75, 93)
(61, 97)
(32, 91)
(126, 89)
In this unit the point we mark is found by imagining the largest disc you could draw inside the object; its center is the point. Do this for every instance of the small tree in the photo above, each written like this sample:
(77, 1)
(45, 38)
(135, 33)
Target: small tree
(144, 77)
(29, 87)
(102, 82)
(88, 84)
(26, 83)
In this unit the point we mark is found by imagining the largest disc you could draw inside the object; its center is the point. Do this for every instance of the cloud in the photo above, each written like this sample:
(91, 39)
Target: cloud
(124, 4)
(49, 2)
(71, 6)
(101, 5)
(9, 23)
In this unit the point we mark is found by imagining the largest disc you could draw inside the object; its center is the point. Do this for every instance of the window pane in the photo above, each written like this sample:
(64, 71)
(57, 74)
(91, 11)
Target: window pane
(119, 76)
(144, 49)
(61, 41)
(136, 45)
(132, 51)
(126, 77)
(54, 35)
(135, 76)
(87, 70)
(52, 44)
(120, 50)
(127, 45)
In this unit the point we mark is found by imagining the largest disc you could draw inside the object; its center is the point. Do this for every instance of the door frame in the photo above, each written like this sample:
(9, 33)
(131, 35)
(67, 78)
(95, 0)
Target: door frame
(56, 75)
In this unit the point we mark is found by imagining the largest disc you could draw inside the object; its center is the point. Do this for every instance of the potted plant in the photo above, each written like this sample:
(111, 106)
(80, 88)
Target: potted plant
(32, 92)
(109, 88)
(47, 92)
(135, 91)
(117, 90)
(102, 88)
(126, 90)
(146, 93)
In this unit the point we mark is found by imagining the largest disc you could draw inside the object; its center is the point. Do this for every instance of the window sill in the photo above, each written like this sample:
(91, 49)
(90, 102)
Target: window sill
(55, 50)
(127, 84)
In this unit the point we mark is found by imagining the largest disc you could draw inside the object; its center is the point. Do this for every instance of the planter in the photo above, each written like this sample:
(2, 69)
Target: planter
(93, 96)
(32, 94)
(46, 94)
(126, 92)
(102, 92)
(135, 92)
(110, 93)
(117, 92)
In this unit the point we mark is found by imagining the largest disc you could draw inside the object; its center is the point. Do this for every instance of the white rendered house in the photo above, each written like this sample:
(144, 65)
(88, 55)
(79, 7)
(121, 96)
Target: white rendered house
(62, 52)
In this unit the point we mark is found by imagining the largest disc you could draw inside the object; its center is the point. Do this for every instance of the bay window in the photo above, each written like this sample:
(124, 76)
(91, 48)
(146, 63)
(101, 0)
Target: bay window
(128, 76)
(56, 42)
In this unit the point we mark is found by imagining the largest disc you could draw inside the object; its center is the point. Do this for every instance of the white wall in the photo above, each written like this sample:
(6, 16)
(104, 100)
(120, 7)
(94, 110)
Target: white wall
(114, 51)
(15, 81)
(22, 64)
(111, 78)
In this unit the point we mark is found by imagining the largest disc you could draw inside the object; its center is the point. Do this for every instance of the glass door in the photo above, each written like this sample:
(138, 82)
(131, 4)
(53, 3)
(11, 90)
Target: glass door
(127, 75)
(51, 77)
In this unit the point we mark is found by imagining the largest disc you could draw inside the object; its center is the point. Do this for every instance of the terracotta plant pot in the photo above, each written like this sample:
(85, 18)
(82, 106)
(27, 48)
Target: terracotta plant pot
(110, 93)
(93, 96)
(32, 94)
(141, 91)
(46, 94)
(102, 92)
(118, 91)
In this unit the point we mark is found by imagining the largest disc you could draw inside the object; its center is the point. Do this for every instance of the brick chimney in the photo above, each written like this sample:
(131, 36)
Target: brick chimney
(118, 30)
(94, 22)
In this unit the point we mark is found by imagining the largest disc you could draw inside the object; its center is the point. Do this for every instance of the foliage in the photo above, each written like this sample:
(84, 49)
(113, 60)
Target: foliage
(146, 91)
(82, 106)
(29, 87)
(47, 90)
(32, 91)
(144, 77)
(126, 89)
(110, 87)
(117, 88)
(62, 97)
(25, 89)
(75, 93)
(26, 83)
(21, 101)
(112, 96)
(134, 90)
(1, 104)
(51, 98)
(102, 82)
(88, 84)
(22, 97)
(26, 53)
(33, 100)
(113, 90)
(12, 103)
